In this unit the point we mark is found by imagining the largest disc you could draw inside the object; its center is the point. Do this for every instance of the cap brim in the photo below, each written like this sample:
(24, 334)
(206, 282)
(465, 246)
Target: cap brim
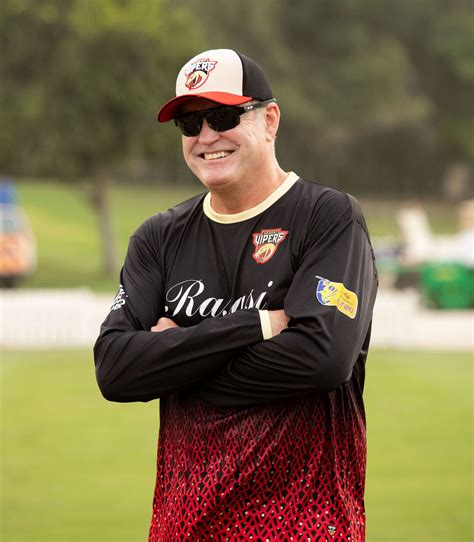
(169, 109)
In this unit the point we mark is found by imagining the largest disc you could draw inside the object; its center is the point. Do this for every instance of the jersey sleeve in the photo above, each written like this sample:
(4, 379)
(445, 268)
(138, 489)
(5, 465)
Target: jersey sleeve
(330, 304)
(134, 364)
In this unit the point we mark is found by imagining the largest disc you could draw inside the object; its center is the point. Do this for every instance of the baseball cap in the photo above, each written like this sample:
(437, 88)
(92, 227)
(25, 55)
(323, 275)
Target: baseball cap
(221, 75)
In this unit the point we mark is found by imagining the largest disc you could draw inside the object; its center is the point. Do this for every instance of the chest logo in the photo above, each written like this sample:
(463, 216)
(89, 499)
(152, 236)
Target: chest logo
(266, 243)
(197, 73)
(335, 294)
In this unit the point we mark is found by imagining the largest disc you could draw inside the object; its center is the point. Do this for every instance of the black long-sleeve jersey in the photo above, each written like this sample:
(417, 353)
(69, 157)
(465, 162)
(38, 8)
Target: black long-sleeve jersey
(261, 437)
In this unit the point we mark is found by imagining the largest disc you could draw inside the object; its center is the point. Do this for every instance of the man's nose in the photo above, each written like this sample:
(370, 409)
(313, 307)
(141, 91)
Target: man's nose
(207, 134)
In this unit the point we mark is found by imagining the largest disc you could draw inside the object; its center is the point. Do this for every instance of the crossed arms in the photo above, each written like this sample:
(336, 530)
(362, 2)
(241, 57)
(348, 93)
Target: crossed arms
(141, 355)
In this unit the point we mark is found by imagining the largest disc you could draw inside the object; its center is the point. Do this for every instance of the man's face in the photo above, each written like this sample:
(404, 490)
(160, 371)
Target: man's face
(223, 159)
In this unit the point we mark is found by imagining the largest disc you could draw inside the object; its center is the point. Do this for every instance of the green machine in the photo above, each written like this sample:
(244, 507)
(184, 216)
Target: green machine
(447, 285)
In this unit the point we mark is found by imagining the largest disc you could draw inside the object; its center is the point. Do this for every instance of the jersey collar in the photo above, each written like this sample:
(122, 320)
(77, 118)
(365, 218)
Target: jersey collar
(223, 218)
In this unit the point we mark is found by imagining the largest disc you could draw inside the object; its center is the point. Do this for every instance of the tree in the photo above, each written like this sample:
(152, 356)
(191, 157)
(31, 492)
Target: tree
(82, 81)
(375, 94)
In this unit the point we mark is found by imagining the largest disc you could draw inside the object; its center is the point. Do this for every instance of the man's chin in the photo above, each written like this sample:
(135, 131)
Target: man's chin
(215, 180)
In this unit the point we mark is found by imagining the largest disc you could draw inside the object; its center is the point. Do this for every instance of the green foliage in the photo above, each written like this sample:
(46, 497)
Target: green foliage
(437, 37)
(77, 468)
(84, 86)
(347, 79)
(374, 93)
(451, 40)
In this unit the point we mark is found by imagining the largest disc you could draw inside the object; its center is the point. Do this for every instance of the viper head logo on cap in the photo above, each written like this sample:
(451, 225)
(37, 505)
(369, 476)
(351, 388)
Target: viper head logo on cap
(198, 72)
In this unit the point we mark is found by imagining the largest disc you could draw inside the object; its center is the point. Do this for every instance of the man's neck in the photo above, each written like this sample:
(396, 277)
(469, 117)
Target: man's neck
(247, 195)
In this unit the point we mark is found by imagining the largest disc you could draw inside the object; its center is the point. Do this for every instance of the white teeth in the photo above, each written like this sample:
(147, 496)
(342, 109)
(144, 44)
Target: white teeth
(214, 155)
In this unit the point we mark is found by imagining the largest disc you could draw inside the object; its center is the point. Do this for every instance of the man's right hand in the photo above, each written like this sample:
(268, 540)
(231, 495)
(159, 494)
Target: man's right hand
(279, 321)
(162, 324)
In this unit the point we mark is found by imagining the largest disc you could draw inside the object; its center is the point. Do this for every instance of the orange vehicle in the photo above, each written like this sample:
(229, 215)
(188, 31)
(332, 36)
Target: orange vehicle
(17, 243)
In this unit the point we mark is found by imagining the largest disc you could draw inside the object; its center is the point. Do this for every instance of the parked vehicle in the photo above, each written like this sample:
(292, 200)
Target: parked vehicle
(17, 243)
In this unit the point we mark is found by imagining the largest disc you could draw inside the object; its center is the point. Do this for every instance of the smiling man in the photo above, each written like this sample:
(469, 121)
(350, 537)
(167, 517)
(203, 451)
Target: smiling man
(247, 311)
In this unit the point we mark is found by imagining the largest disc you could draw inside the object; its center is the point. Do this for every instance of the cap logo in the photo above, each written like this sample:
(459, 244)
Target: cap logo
(197, 72)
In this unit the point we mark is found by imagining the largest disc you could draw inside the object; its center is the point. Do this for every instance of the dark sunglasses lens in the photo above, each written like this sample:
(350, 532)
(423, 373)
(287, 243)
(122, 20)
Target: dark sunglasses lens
(223, 119)
(190, 126)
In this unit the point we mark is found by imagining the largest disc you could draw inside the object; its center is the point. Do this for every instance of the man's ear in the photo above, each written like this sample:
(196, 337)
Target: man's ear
(272, 119)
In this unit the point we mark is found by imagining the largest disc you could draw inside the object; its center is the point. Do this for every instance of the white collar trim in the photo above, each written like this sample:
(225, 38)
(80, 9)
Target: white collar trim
(224, 218)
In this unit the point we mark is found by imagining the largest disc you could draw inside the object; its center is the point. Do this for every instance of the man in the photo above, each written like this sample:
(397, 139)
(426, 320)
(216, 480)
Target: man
(247, 311)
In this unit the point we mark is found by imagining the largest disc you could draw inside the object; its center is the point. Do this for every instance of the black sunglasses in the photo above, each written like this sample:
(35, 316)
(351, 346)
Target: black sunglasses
(219, 119)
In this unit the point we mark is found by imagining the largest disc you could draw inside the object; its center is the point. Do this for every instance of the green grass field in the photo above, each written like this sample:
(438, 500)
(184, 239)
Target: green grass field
(67, 234)
(77, 468)
(68, 243)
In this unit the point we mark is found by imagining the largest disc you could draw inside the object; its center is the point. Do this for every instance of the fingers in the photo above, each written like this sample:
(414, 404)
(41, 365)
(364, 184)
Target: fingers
(163, 324)
(279, 321)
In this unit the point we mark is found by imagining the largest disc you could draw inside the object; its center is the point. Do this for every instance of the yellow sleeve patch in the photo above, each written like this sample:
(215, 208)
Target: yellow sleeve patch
(335, 294)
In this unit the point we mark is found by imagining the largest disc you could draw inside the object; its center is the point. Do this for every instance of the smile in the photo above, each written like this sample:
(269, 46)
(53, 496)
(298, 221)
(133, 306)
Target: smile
(215, 155)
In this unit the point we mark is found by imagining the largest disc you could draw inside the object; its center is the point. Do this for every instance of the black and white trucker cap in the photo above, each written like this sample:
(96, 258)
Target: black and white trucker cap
(221, 75)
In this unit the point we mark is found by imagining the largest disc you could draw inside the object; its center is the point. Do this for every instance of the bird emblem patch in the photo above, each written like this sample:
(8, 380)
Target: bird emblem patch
(335, 294)
(197, 72)
(266, 243)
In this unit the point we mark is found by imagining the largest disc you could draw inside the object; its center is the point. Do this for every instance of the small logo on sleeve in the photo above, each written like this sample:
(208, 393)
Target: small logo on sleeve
(119, 300)
(331, 530)
(335, 294)
(266, 243)
(197, 73)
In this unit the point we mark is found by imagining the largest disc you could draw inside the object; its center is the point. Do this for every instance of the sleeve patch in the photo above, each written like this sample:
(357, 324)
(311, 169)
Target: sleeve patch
(335, 294)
